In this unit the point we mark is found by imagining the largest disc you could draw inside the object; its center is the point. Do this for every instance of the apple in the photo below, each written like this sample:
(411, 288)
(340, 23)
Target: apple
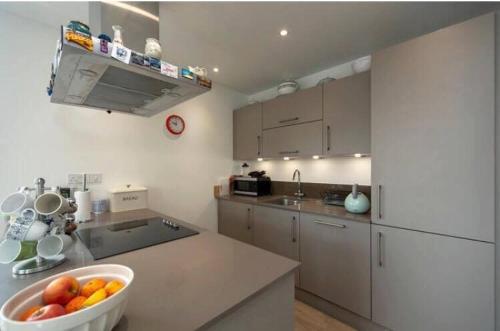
(61, 290)
(46, 312)
(28, 312)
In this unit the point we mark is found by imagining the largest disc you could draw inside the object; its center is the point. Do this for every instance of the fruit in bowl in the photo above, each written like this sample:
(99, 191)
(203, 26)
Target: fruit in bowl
(46, 312)
(96, 297)
(93, 285)
(64, 295)
(61, 290)
(28, 312)
(102, 313)
(113, 286)
(75, 304)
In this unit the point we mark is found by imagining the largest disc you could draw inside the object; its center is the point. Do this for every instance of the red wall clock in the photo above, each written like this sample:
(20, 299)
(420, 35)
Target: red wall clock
(175, 124)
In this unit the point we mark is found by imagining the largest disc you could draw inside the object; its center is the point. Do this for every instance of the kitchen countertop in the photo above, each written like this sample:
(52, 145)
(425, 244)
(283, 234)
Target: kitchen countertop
(313, 206)
(179, 285)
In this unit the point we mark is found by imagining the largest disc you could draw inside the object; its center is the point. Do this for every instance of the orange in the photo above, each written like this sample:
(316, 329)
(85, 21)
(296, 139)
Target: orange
(91, 286)
(113, 286)
(28, 312)
(75, 304)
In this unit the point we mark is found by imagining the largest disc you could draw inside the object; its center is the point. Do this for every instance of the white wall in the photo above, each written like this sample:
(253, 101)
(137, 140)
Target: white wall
(342, 170)
(40, 139)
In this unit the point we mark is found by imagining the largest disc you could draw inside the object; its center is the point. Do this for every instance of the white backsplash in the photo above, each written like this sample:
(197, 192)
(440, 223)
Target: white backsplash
(344, 170)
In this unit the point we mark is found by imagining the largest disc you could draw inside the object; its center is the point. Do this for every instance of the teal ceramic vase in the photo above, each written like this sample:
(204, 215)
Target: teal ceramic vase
(356, 202)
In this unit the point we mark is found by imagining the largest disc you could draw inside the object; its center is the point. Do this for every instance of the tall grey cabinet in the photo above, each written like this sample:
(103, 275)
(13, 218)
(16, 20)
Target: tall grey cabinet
(423, 281)
(433, 132)
(247, 132)
(432, 144)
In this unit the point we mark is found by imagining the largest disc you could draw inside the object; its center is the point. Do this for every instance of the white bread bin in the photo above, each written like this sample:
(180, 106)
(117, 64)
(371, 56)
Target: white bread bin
(128, 198)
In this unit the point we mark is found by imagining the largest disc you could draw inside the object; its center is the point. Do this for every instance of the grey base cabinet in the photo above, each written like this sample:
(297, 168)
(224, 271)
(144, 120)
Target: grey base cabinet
(336, 261)
(235, 220)
(424, 281)
(277, 230)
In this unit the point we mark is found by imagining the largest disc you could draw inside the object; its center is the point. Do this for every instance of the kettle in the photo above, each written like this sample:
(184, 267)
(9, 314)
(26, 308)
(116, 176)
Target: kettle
(356, 202)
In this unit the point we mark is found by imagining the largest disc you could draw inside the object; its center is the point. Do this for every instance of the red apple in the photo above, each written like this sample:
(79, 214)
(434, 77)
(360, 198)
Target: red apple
(61, 290)
(49, 311)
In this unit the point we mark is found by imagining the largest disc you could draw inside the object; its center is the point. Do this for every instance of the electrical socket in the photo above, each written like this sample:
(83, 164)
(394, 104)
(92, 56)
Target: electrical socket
(76, 180)
(94, 178)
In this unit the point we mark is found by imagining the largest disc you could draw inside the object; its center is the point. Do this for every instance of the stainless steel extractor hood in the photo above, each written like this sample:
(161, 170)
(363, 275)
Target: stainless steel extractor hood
(86, 79)
(90, 79)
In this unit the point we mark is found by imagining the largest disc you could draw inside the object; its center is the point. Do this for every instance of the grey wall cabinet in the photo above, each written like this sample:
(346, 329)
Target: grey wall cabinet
(299, 107)
(277, 230)
(294, 140)
(346, 122)
(247, 132)
(424, 281)
(235, 220)
(336, 261)
(432, 131)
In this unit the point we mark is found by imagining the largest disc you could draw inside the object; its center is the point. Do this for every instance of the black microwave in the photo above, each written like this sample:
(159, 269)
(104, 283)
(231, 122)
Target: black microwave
(252, 186)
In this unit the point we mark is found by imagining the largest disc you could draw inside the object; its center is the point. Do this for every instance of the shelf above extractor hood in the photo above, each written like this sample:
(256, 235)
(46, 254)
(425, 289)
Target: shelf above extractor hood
(83, 78)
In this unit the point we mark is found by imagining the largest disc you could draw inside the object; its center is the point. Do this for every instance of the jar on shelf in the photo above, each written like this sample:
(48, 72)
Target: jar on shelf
(152, 48)
(117, 38)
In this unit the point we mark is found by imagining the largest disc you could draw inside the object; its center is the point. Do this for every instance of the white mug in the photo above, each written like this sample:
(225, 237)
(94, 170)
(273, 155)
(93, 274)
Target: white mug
(14, 203)
(51, 203)
(15, 250)
(26, 227)
(53, 245)
(37, 229)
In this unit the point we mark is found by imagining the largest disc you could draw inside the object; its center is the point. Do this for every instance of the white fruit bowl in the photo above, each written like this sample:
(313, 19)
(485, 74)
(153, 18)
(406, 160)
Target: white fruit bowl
(103, 316)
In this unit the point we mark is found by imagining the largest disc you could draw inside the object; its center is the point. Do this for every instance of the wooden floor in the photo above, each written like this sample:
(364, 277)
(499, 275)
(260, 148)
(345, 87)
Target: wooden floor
(308, 318)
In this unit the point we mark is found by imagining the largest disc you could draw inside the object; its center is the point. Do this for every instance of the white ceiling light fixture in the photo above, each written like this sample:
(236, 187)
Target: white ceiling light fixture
(260, 159)
(133, 9)
(283, 32)
(357, 155)
(286, 158)
(216, 69)
(316, 157)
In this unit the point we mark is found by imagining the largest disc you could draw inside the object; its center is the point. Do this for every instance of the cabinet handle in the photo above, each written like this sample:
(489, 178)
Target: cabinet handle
(289, 120)
(294, 238)
(379, 250)
(380, 202)
(249, 225)
(331, 224)
(258, 145)
(328, 137)
(289, 152)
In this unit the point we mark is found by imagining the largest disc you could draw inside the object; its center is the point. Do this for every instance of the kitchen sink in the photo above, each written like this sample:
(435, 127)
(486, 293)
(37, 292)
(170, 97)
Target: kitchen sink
(285, 202)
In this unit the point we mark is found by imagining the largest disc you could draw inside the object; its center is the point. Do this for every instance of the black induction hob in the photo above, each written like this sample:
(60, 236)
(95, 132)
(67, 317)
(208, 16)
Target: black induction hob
(109, 240)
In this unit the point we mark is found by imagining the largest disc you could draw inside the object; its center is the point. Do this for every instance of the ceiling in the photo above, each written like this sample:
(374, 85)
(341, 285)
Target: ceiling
(243, 39)
(50, 13)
